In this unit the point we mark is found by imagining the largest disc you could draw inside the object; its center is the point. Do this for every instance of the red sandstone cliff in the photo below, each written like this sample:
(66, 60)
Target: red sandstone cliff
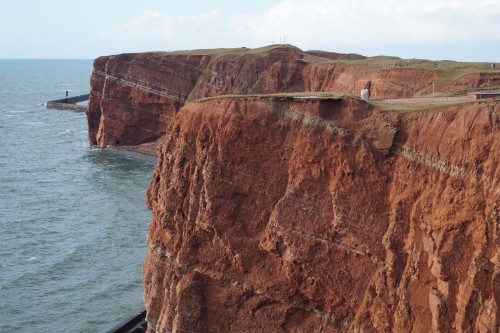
(280, 214)
(134, 96)
(288, 215)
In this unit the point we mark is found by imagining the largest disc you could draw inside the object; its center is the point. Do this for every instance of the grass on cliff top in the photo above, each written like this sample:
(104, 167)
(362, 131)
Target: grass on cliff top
(447, 69)
(408, 107)
(235, 51)
(377, 104)
(391, 62)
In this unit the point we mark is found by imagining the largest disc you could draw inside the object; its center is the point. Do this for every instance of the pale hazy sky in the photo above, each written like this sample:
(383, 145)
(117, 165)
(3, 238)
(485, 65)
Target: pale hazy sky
(466, 30)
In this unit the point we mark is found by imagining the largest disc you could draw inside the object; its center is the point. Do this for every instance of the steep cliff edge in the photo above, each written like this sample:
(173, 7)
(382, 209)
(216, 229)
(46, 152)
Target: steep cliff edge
(134, 96)
(288, 215)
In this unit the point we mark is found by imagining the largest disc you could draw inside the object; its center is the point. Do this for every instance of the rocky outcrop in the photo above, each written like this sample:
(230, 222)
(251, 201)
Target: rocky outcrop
(134, 96)
(274, 214)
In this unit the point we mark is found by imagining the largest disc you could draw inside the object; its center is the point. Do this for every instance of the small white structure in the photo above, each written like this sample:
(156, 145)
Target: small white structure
(365, 94)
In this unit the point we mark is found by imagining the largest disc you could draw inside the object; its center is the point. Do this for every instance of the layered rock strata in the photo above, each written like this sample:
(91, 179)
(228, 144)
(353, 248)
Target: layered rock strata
(134, 96)
(325, 215)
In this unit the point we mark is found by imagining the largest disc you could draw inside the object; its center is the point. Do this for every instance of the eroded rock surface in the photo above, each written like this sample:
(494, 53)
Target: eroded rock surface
(296, 215)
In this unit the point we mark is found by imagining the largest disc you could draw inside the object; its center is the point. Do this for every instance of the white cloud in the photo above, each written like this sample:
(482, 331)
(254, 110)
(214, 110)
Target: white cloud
(389, 22)
(160, 26)
(322, 24)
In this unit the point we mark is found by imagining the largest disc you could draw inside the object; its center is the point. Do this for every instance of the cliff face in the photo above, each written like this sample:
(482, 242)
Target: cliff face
(281, 214)
(289, 215)
(134, 96)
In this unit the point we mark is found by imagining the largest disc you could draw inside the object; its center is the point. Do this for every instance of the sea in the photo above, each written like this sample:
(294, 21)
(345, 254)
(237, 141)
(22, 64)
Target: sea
(73, 218)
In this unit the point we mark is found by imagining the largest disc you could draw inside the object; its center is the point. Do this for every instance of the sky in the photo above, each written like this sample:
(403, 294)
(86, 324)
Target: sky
(463, 30)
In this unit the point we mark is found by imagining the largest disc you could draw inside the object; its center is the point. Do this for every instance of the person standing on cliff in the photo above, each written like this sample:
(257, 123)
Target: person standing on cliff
(66, 94)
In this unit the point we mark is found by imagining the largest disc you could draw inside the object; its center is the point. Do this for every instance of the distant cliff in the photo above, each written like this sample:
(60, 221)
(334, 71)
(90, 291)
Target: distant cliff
(134, 96)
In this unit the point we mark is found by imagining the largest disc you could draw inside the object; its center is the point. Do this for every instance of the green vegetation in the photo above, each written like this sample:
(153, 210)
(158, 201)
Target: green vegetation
(353, 56)
(236, 51)
(409, 107)
(448, 70)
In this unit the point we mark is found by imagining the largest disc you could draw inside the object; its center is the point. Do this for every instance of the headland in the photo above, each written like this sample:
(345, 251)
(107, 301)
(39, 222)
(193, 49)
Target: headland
(283, 202)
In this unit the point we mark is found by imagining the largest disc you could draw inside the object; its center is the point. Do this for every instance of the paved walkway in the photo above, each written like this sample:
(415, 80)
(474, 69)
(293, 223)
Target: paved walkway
(417, 100)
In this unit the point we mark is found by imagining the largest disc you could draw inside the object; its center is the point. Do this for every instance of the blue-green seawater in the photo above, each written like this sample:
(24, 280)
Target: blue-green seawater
(73, 218)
